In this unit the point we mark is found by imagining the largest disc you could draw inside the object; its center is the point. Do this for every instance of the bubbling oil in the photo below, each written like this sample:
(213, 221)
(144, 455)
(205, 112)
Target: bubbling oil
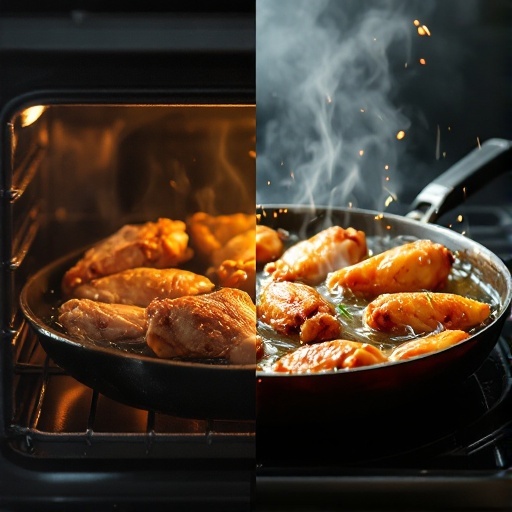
(465, 279)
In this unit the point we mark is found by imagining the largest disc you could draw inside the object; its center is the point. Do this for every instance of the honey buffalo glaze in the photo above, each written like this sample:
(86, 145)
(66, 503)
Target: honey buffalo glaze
(465, 279)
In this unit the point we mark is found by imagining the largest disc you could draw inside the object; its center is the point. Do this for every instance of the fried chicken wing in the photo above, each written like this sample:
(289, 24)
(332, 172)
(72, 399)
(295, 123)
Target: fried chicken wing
(424, 312)
(311, 260)
(428, 344)
(86, 319)
(292, 308)
(269, 244)
(420, 265)
(210, 233)
(158, 244)
(220, 324)
(329, 355)
(139, 286)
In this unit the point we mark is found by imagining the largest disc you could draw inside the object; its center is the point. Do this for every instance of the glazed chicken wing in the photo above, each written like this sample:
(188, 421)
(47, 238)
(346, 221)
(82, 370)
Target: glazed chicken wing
(424, 312)
(139, 286)
(292, 308)
(154, 244)
(329, 355)
(86, 319)
(220, 324)
(420, 265)
(311, 260)
(269, 244)
(211, 233)
(428, 344)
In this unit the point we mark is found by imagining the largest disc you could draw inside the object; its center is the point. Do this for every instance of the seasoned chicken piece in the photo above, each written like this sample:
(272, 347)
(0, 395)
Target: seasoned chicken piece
(209, 233)
(329, 355)
(311, 260)
(420, 265)
(291, 308)
(269, 244)
(424, 312)
(86, 319)
(234, 264)
(241, 247)
(139, 286)
(428, 344)
(220, 324)
(236, 274)
(158, 244)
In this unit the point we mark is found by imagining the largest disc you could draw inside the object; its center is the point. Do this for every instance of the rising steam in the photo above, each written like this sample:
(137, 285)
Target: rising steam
(326, 78)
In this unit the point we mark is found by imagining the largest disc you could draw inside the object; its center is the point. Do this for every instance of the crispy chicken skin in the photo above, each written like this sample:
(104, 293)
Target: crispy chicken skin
(291, 308)
(269, 244)
(424, 312)
(329, 355)
(428, 344)
(139, 286)
(221, 324)
(158, 244)
(86, 319)
(309, 261)
(419, 265)
(211, 233)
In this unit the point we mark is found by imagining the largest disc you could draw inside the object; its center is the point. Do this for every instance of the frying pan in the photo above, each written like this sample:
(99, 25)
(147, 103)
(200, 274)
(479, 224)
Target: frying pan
(204, 390)
(339, 395)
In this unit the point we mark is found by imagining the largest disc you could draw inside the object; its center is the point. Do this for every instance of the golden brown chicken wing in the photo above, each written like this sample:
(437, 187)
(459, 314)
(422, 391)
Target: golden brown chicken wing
(428, 344)
(154, 244)
(210, 233)
(420, 265)
(235, 274)
(329, 355)
(234, 264)
(296, 308)
(311, 260)
(269, 244)
(220, 324)
(86, 319)
(424, 312)
(139, 286)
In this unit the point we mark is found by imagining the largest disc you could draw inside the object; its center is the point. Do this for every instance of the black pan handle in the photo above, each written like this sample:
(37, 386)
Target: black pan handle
(468, 175)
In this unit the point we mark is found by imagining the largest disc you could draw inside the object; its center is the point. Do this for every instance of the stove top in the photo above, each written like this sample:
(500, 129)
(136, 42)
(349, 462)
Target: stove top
(453, 448)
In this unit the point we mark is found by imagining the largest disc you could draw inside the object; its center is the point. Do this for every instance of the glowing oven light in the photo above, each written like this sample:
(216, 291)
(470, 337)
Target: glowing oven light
(31, 114)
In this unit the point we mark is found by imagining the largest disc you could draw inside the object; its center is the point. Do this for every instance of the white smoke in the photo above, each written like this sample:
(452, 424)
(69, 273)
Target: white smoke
(327, 125)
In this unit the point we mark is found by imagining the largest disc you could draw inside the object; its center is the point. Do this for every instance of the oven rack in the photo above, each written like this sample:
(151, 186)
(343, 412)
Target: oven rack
(55, 416)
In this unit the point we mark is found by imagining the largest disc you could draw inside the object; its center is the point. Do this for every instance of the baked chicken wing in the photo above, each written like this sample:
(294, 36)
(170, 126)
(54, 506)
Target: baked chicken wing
(311, 260)
(234, 265)
(217, 325)
(428, 344)
(139, 286)
(211, 233)
(86, 319)
(296, 308)
(329, 355)
(419, 265)
(158, 244)
(239, 274)
(424, 312)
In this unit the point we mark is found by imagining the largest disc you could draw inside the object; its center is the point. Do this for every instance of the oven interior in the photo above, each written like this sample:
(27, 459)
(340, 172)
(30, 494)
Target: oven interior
(76, 173)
